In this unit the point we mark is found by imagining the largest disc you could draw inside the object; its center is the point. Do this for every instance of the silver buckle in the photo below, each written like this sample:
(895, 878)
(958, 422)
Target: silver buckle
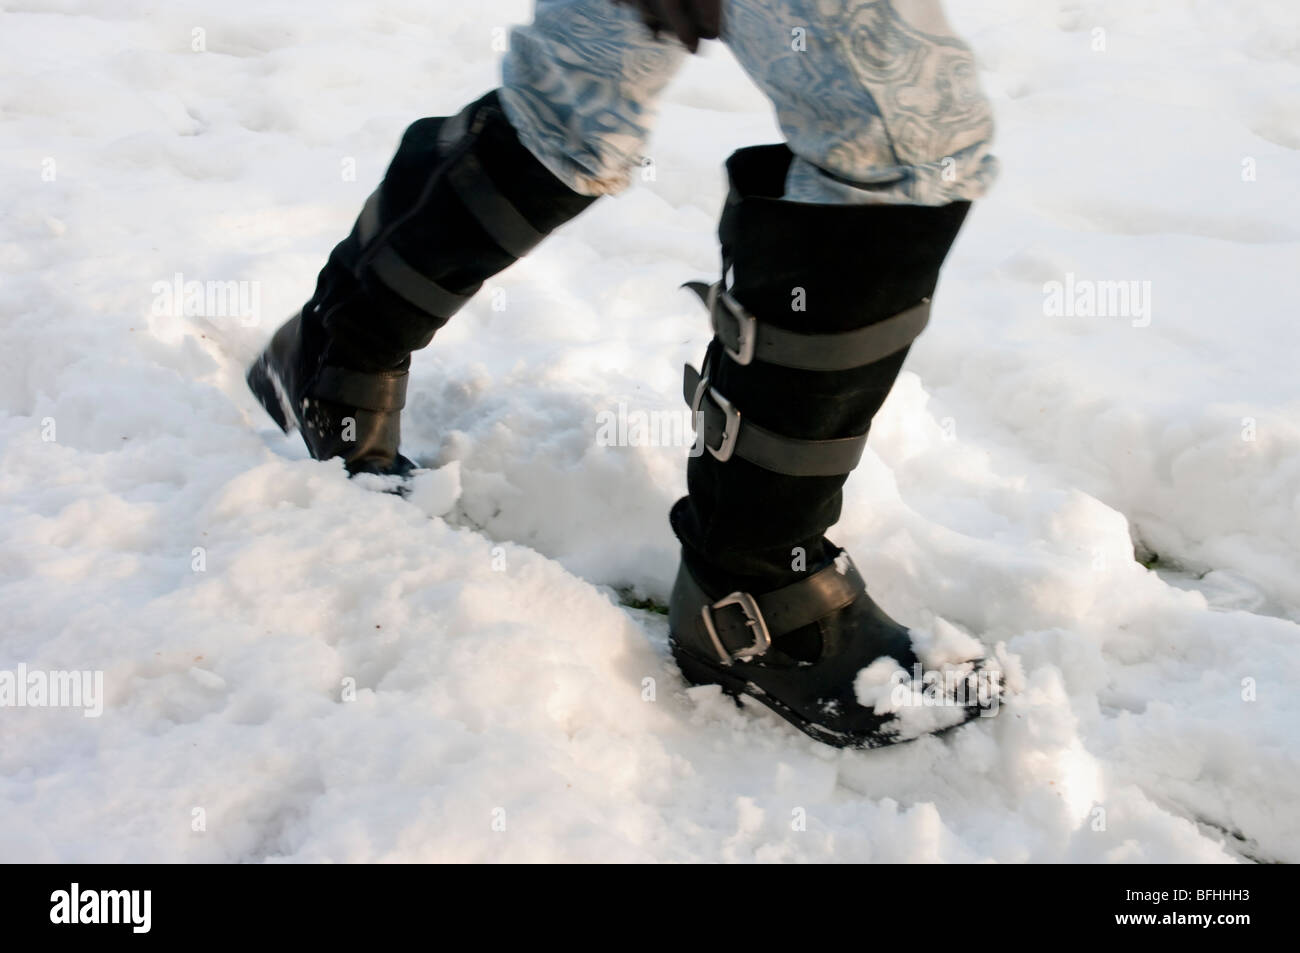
(746, 323)
(731, 429)
(753, 619)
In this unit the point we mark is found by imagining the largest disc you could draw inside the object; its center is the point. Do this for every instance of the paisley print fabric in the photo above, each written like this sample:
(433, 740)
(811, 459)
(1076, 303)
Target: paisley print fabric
(878, 99)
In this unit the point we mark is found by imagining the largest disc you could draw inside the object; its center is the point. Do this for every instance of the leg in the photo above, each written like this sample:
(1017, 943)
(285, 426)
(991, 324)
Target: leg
(463, 198)
(581, 85)
(878, 99)
(827, 292)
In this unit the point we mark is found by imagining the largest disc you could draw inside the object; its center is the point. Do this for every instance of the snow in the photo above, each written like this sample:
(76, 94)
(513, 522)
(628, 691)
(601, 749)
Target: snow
(296, 669)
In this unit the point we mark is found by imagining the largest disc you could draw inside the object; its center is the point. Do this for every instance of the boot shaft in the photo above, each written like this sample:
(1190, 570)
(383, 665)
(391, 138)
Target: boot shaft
(847, 279)
(461, 200)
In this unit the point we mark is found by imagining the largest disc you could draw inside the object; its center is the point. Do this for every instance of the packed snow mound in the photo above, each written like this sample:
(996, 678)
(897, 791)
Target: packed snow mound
(296, 668)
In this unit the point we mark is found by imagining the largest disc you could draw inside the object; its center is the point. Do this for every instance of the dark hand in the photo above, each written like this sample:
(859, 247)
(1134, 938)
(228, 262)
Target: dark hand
(691, 20)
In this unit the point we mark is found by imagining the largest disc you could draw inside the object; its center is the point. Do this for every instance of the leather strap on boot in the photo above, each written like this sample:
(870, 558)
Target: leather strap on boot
(382, 392)
(741, 626)
(726, 434)
(463, 172)
(400, 277)
(744, 339)
(473, 186)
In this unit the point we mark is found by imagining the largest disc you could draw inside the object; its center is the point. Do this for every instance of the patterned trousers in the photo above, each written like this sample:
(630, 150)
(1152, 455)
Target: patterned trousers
(877, 99)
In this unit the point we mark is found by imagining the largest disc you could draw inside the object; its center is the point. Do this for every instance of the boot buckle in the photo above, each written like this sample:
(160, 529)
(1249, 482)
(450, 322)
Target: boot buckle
(753, 619)
(731, 426)
(720, 300)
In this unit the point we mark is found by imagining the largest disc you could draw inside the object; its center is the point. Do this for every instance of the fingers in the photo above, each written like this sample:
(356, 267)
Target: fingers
(682, 21)
(707, 15)
(690, 20)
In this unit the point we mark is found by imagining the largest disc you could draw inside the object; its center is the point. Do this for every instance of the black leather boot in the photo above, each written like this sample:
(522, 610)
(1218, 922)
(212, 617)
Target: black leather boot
(462, 200)
(823, 304)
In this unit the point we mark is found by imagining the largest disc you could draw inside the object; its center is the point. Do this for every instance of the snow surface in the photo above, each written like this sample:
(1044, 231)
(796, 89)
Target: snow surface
(507, 707)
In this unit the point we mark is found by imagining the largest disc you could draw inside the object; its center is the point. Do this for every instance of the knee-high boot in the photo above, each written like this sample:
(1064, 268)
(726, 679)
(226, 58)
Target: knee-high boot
(461, 200)
(822, 304)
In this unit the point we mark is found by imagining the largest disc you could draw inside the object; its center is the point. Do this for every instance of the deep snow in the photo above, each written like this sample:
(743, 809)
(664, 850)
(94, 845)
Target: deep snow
(156, 526)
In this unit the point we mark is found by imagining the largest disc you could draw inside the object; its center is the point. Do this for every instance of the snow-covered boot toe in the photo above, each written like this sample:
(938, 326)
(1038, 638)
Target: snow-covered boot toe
(801, 650)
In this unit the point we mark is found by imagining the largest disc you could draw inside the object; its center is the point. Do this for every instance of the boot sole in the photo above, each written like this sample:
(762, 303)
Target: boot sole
(697, 671)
